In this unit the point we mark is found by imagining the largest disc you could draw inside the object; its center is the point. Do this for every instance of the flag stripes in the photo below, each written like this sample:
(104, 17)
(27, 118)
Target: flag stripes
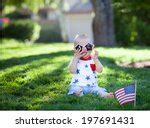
(126, 94)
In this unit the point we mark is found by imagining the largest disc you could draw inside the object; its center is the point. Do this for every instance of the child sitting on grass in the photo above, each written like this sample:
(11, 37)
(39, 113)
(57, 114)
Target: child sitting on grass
(84, 66)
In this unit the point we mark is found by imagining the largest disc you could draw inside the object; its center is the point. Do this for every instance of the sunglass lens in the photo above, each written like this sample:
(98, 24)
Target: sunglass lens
(89, 46)
(78, 47)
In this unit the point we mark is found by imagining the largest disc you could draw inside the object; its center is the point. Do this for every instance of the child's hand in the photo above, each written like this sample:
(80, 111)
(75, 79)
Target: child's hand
(78, 53)
(95, 55)
(110, 95)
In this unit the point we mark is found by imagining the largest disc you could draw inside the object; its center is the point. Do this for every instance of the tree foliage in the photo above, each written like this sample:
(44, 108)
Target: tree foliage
(34, 5)
(132, 19)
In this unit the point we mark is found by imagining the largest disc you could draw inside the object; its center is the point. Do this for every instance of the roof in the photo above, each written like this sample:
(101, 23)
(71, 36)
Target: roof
(80, 8)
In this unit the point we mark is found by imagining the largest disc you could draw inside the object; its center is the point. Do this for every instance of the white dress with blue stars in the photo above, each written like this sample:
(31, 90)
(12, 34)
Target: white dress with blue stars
(85, 79)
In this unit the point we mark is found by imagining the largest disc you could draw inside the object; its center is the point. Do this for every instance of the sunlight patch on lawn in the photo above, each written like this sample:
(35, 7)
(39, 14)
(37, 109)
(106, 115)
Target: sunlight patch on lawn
(124, 54)
(36, 77)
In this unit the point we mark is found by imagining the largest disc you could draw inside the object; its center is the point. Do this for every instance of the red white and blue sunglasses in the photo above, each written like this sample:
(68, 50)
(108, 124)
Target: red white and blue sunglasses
(89, 47)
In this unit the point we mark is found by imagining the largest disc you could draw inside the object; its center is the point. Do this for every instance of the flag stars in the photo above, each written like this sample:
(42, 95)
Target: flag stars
(87, 77)
(78, 71)
(76, 81)
(86, 66)
(88, 85)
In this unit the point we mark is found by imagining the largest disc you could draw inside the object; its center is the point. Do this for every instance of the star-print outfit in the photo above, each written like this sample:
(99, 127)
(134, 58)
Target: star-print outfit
(84, 79)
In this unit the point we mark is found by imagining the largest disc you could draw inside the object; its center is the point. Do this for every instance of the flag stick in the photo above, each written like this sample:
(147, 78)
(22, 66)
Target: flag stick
(135, 93)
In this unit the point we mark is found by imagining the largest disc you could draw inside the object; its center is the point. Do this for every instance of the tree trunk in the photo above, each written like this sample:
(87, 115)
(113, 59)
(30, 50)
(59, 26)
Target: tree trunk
(103, 27)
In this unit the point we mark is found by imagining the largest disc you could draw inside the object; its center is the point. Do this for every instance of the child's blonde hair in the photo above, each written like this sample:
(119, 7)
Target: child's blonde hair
(81, 38)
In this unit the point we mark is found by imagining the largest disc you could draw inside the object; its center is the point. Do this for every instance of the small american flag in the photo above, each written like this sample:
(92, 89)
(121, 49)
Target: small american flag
(126, 94)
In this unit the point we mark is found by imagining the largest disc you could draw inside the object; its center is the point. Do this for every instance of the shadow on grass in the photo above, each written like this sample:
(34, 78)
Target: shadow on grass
(28, 59)
(54, 86)
(139, 48)
(131, 48)
(35, 88)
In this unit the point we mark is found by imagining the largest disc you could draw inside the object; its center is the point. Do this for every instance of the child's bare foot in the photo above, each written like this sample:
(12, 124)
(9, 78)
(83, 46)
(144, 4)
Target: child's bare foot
(78, 93)
(110, 95)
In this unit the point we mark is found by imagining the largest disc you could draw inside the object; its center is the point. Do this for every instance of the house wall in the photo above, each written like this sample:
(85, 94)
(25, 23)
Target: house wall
(79, 24)
(71, 3)
(52, 16)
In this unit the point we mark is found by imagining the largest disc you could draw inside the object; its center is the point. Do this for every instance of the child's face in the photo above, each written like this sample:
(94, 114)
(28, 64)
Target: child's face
(85, 47)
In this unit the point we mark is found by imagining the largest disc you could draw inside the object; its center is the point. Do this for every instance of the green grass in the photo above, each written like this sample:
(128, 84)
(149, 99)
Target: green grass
(36, 77)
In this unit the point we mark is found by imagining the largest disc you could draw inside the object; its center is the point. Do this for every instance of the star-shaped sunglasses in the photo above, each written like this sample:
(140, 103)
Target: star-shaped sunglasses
(88, 47)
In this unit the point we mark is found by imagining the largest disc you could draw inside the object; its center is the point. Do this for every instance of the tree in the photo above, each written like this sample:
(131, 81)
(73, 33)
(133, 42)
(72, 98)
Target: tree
(34, 5)
(103, 26)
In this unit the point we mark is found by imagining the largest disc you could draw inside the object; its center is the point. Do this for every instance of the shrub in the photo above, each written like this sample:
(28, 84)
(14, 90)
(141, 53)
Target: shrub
(144, 33)
(18, 15)
(122, 31)
(50, 33)
(25, 30)
(133, 32)
(130, 29)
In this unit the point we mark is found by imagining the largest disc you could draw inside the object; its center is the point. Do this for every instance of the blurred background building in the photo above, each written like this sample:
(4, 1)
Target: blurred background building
(61, 20)
(78, 20)
(78, 16)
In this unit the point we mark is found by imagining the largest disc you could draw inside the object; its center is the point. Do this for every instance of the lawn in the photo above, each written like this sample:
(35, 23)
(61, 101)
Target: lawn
(35, 77)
